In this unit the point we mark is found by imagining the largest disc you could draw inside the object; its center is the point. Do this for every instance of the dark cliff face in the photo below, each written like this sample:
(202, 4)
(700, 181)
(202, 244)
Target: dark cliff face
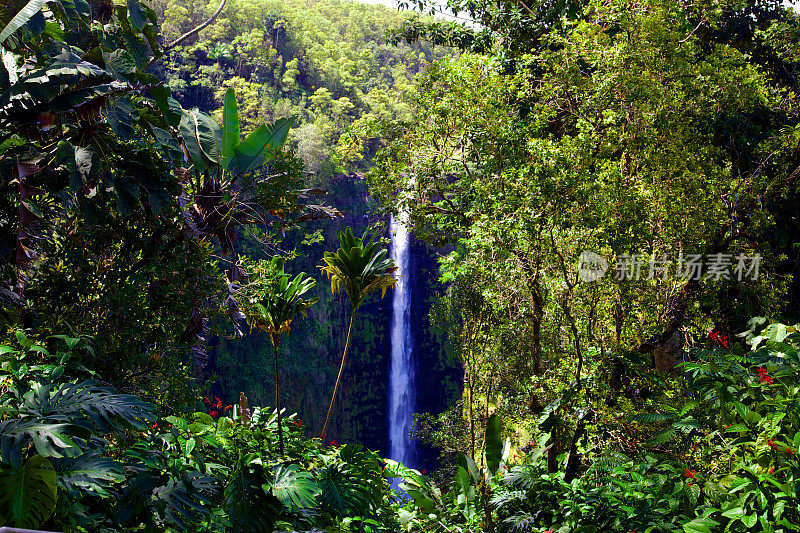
(310, 354)
(438, 374)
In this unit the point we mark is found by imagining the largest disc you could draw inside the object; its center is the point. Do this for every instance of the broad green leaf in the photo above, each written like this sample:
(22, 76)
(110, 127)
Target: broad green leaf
(734, 514)
(494, 443)
(261, 146)
(88, 472)
(137, 15)
(250, 509)
(28, 494)
(208, 134)
(230, 127)
(188, 129)
(29, 11)
(295, 487)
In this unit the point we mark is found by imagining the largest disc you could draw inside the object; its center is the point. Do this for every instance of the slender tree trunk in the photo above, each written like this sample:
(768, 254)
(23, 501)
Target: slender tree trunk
(471, 418)
(277, 396)
(339, 377)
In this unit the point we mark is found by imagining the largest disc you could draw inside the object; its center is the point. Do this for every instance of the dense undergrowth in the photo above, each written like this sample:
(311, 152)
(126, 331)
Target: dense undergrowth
(722, 455)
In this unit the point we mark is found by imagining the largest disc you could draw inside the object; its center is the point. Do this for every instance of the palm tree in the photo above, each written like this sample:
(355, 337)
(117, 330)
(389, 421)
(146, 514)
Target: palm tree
(359, 266)
(276, 301)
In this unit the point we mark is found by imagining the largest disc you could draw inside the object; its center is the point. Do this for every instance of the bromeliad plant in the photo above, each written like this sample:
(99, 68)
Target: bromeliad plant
(359, 267)
(273, 300)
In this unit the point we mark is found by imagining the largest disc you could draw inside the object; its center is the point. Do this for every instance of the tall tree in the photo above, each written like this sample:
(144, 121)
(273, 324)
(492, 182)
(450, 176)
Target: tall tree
(359, 267)
(274, 301)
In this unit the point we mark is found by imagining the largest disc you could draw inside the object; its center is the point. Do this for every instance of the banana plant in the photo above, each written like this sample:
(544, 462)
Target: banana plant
(227, 190)
(359, 267)
(275, 301)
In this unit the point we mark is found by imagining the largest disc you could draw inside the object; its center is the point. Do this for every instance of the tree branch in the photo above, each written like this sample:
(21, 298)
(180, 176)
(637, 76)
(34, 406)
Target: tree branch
(197, 29)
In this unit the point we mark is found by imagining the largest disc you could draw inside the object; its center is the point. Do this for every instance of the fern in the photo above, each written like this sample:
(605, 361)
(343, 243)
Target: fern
(609, 462)
(651, 418)
(521, 524)
(524, 477)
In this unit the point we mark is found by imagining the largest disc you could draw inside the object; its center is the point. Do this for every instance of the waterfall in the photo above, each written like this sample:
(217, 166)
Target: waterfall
(401, 378)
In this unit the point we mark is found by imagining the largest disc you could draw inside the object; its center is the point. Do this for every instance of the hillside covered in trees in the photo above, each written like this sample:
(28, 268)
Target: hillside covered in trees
(198, 271)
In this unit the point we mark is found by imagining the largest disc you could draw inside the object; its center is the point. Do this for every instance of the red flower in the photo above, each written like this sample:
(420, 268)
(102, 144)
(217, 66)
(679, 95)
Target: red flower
(213, 413)
(719, 338)
(424, 471)
(333, 443)
(772, 444)
(690, 474)
(206, 400)
(763, 377)
(155, 425)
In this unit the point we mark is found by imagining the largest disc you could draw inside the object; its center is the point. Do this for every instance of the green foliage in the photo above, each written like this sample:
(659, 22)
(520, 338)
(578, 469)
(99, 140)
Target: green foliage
(28, 492)
(359, 267)
(273, 299)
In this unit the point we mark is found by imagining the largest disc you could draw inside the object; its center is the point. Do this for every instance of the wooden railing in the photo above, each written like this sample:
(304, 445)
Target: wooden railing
(6, 529)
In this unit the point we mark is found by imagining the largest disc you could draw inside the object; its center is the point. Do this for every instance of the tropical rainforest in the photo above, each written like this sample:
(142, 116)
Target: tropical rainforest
(201, 208)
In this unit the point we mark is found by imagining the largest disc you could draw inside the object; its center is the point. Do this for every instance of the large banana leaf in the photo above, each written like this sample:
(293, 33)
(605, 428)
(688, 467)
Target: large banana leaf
(199, 134)
(230, 128)
(494, 443)
(32, 8)
(260, 146)
(28, 494)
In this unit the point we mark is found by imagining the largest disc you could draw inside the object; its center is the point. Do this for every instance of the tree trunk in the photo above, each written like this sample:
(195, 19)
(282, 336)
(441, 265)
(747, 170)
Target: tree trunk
(339, 377)
(277, 396)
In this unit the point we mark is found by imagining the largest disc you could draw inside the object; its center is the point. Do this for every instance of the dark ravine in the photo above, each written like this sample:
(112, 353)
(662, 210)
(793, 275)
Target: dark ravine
(310, 353)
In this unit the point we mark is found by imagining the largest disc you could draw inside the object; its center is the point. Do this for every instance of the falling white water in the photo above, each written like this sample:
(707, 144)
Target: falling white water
(401, 378)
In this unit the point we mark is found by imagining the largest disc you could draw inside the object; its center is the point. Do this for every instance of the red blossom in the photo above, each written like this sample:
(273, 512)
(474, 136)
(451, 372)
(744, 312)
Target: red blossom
(424, 471)
(155, 425)
(690, 474)
(763, 377)
(719, 338)
(772, 444)
(213, 413)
